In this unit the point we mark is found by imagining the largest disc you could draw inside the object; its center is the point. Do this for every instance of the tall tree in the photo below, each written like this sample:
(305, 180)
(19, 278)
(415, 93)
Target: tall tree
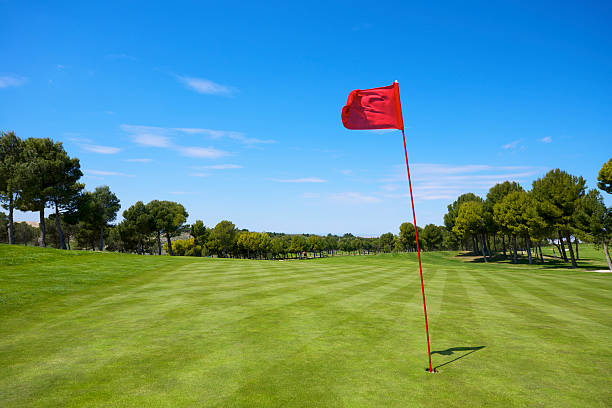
(65, 191)
(595, 221)
(103, 208)
(557, 194)
(223, 237)
(11, 173)
(604, 177)
(432, 237)
(386, 242)
(199, 233)
(470, 221)
(517, 214)
(495, 195)
(44, 164)
(138, 221)
(169, 217)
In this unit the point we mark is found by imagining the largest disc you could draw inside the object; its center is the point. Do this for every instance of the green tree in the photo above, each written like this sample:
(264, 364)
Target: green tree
(386, 242)
(199, 232)
(557, 194)
(297, 244)
(595, 221)
(470, 221)
(407, 237)
(44, 163)
(65, 191)
(223, 238)
(495, 195)
(432, 237)
(138, 223)
(169, 217)
(604, 177)
(11, 173)
(102, 208)
(517, 213)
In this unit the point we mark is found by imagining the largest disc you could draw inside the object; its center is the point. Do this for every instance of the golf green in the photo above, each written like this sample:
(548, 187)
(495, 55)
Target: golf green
(102, 329)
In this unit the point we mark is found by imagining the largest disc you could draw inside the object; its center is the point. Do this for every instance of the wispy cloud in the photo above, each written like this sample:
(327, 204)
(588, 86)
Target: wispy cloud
(148, 135)
(229, 134)
(439, 181)
(515, 144)
(139, 160)
(12, 80)
(354, 198)
(546, 139)
(153, 136)
(205, 86)
(199, 174)
(202, 152)
(107, 173)
(301, 180)
(100, 149)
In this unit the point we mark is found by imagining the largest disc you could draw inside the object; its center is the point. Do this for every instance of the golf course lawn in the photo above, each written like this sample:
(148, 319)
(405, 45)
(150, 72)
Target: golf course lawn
(114, 330)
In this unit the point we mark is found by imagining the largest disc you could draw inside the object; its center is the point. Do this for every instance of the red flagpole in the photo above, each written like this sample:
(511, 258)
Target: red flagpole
(416, 233)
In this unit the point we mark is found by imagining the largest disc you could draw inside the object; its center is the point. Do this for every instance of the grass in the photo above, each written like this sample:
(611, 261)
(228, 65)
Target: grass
(92, 329)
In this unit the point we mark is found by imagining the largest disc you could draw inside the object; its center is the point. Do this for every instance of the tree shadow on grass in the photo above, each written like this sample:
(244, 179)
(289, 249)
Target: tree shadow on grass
(451, 351)
(549, 261)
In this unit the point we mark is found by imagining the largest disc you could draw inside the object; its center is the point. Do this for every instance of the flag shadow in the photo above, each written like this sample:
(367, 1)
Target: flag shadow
(451, 351)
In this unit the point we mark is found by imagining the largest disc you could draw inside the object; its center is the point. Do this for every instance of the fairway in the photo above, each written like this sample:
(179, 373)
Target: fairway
(92, 329)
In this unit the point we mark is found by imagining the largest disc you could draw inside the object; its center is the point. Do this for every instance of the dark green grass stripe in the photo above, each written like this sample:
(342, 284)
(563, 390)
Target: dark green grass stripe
(301, 358)
(538, 322)
(548, 297)
(244, 311)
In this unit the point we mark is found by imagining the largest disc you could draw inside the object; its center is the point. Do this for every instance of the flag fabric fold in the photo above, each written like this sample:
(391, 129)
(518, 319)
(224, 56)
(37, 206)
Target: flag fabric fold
(375, 108)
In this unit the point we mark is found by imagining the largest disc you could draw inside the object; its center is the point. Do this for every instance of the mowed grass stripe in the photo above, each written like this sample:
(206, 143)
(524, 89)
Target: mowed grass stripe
(329, 332)
(116, 321)
(545, 295)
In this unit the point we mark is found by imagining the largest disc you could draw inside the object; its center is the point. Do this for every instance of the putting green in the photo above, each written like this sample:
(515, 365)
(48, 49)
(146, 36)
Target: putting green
(91, 329)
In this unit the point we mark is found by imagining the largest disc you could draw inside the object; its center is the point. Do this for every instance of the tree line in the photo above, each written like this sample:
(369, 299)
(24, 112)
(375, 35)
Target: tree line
(558, 210)
(38, 174)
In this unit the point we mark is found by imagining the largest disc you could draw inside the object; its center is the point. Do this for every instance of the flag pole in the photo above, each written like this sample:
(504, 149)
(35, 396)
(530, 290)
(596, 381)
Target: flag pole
(416, 233)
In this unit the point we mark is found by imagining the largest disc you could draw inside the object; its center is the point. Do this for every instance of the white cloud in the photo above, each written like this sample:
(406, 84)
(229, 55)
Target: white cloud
(139, 160)
(107, 173)
(203, 152)
(101, 149)
(512, 145)
(165, 137)
(546, 139)
(148, 135)
(354, 198)
(432, 181)
(230, 134)
(346, 172)
(12, 80)
(301, 180)
(205, 86)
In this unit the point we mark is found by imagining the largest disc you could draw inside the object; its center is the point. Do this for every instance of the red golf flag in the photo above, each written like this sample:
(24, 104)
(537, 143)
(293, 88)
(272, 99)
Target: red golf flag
(376, 108)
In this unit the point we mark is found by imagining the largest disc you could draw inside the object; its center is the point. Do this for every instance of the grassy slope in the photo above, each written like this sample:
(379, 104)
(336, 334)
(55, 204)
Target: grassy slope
(122, 330)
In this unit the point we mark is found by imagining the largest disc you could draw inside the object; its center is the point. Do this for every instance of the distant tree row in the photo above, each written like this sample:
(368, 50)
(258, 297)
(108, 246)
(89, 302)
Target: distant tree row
(556, 209)
(36, 174)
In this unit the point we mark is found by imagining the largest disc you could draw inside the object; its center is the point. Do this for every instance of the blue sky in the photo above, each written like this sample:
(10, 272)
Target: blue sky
(234, 110)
